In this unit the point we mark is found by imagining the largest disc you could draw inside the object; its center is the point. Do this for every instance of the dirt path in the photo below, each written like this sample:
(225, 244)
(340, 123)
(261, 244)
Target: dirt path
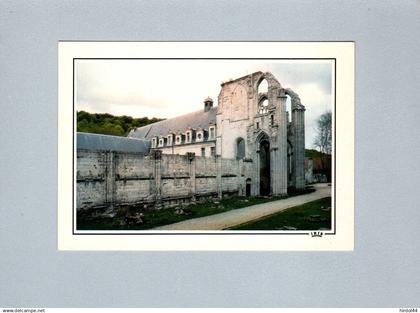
(236, 217)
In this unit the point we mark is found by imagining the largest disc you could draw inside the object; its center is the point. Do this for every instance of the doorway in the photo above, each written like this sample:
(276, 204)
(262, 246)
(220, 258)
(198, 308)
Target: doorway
(248, 187)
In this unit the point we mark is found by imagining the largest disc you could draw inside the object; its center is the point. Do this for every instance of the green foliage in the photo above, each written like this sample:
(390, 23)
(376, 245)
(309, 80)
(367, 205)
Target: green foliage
(108, 124)
(312, 153)
(154, 218)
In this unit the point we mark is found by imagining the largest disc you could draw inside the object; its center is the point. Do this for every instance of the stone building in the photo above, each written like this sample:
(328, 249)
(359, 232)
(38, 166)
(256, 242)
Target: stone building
(249, 124)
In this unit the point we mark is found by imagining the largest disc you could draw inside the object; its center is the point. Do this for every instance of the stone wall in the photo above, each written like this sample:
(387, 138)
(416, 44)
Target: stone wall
(108, 179)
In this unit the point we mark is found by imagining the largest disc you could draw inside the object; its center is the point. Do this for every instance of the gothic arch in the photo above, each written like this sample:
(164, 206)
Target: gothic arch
(239, 103)
(269, 78)
(262, 135)
(296, 104)
(262, 85)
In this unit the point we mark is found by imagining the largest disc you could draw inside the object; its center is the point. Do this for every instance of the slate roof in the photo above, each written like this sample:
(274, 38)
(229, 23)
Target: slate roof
(181, 123)
(114, 143)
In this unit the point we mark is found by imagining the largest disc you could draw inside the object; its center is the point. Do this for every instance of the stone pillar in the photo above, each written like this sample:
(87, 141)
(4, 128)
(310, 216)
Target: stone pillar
(157, 173)
(298, 124)
(281, 153)
(298, 130)
(110, 179)
(274, 169)
(191, 160)
(219, 176)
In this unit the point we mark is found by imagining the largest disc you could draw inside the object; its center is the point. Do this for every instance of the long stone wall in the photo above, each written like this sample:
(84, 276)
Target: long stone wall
(108, 179)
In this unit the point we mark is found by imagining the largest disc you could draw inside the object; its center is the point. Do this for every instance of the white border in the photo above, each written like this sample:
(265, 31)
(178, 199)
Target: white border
(343, 52)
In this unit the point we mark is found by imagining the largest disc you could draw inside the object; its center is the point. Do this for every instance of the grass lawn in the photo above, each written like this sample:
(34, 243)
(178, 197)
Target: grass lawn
(309, 216)
(154, 218)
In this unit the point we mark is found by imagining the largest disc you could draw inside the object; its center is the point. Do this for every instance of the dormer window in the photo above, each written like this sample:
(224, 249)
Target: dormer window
(154, 142)
(199, 137)
(161, 142)
(212, 133)
(188, 136)
(178, 139)
(169, 140)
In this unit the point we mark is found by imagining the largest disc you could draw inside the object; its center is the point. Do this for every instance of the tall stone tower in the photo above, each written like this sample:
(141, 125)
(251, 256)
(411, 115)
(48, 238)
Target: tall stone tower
(252, 111)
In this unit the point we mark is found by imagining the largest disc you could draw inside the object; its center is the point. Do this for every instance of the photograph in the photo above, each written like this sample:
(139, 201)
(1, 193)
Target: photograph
(203, 144)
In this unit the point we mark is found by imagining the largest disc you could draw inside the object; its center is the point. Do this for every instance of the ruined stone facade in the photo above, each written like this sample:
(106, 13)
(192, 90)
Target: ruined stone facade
(250, 123)
(247, 145)
(258, 115)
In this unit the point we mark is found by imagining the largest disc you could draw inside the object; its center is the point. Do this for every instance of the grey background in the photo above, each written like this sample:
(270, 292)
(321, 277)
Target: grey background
(382, 271)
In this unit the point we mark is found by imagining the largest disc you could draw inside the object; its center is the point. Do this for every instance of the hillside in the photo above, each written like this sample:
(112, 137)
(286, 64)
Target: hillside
(108, 124)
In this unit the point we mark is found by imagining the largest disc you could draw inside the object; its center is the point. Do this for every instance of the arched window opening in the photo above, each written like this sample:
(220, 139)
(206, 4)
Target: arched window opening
(263, 107)
(262, 86)
(240, 149)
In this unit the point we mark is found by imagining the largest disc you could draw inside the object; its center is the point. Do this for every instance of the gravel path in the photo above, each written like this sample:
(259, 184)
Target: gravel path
(239, 216)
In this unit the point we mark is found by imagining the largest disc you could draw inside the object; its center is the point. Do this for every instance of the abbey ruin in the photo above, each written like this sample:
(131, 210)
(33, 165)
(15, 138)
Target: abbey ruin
(248, 145)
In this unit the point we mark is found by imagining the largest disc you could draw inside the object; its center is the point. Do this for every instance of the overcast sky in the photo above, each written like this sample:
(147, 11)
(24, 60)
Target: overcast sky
(168, 88)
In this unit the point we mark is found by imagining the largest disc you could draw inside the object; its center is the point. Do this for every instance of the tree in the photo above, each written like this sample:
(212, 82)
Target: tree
(323, 142)
(323, 139)
(105, 123)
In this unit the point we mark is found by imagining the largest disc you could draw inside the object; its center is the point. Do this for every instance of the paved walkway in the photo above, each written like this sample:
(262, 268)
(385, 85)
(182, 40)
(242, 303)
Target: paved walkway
(239, 216)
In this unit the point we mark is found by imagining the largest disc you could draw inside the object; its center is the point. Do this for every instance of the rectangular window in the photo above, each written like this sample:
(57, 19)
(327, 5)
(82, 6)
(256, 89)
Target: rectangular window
(211, 133)
(188, 137)
(203, 152)
(258, 125)
(272, 120)
(213, 151)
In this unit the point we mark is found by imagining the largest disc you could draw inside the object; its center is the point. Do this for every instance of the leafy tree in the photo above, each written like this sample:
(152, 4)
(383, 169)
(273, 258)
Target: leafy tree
(108, 124)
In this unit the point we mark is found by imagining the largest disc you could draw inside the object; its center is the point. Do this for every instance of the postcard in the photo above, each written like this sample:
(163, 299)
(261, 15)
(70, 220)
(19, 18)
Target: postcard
(206, 146)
